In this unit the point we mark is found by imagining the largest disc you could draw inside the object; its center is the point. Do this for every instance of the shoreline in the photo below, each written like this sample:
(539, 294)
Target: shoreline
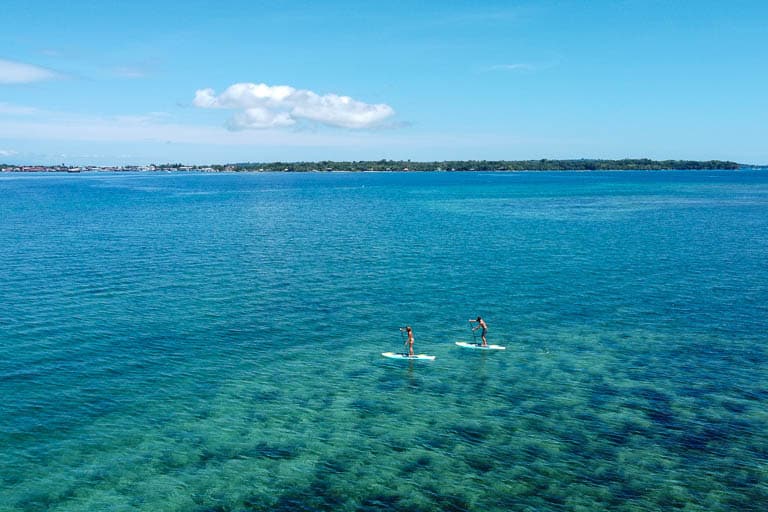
(399, 166)
(480, 171)
(441, 171)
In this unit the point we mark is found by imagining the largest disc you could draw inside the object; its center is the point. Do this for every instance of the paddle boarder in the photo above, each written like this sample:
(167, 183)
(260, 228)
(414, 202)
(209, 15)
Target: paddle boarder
(480, 325)
(409, 341)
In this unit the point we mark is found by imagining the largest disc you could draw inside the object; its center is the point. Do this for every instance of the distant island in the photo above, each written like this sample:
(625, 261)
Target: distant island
(635, 164)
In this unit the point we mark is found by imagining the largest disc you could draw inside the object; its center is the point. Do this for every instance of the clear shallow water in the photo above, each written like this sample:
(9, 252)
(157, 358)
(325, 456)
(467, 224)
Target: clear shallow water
(212, 342)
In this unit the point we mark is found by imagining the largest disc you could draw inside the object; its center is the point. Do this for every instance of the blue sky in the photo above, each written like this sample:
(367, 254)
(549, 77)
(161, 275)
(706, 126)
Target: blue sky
(94, 82)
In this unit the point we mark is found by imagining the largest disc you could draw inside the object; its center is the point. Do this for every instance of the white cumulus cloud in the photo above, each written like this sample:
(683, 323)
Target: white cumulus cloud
(12, 72)
(258, 117)
(265, 106)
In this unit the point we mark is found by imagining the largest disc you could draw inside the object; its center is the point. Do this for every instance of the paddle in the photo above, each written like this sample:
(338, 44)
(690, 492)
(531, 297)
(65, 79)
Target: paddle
(405, 342)
(474, 336)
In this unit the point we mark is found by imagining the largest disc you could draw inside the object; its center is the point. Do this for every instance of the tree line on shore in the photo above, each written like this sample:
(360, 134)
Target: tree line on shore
(641, 164)
(636, 164)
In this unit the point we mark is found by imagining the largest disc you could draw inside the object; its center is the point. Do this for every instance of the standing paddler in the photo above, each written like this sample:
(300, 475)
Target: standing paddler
(409, 341)
(480, 325)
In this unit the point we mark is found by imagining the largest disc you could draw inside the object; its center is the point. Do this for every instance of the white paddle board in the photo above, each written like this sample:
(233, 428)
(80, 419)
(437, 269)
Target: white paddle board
(479, 346)
(393, 355)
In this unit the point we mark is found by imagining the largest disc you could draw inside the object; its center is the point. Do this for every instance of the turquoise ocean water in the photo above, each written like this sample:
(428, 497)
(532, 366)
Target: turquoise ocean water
(193, 342)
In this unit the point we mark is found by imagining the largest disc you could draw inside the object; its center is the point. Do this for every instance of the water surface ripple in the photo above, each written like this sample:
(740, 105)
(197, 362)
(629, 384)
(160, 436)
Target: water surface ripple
(191, 342)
